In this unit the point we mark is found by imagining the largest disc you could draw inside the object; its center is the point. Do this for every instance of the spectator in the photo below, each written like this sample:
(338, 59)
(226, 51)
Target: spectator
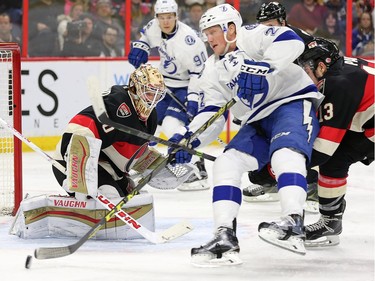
(339, 8)
(76, 11)
(140, 16)
(307, 15)
(363, 36)
(213, 3)
(6, 34)
(108, 46)
(332, 30)
(105, 18)
(69, 3)
(195, 11)
(80, 41)
(14, 9)
(43, 27)
(249, 10)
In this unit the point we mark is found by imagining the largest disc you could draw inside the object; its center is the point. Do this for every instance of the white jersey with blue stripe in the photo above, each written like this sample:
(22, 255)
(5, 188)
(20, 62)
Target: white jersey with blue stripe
(182, 54)
(279, 47)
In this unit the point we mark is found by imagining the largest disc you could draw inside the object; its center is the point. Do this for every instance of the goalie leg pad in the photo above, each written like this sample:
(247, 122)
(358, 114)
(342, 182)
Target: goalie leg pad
(82, 164)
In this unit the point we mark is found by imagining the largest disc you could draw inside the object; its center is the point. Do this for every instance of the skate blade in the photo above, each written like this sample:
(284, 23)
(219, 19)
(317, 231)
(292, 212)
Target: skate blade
(292, 244)
(311, 206)
(267, 197)
(325, 241)
(194, 186)
(210, 260)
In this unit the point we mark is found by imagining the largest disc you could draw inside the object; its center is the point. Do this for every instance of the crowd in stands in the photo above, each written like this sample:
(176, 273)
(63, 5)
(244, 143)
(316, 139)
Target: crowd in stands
(96, 27)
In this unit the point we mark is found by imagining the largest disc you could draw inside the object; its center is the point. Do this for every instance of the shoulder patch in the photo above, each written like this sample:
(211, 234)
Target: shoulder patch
(123, 111)
(189, 40)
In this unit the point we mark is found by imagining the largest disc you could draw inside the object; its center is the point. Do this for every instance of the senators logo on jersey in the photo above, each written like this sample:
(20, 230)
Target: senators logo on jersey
(123, 111)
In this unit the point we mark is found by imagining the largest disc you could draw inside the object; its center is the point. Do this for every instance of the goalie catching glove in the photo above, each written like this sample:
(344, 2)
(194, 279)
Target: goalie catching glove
(252, 81)
(182, 156)
(139, 53)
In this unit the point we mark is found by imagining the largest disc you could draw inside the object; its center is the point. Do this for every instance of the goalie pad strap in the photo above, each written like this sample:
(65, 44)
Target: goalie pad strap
(82, 164)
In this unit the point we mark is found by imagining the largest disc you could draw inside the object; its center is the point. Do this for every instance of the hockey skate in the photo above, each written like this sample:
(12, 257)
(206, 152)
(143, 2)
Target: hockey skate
(325, 232)
(312, 201)
(288, 234)
(197, 180)
(260, 193)
(222, 250)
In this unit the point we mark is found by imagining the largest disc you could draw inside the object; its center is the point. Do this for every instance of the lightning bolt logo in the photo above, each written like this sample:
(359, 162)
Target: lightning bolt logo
(307, 119)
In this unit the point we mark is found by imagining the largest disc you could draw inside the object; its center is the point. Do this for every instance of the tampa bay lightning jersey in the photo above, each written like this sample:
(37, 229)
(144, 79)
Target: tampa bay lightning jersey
(182, 54)
(277, 46)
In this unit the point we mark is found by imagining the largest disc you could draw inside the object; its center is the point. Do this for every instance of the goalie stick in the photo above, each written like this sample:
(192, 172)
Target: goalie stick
(169, 234)
(102, 115)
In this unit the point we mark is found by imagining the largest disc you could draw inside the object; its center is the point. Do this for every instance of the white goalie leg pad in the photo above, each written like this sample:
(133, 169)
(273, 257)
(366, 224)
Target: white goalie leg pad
(82, 165)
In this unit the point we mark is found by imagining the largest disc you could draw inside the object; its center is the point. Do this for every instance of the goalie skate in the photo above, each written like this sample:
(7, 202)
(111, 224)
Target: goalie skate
(197, 180)
(287, 234)
(222, 250)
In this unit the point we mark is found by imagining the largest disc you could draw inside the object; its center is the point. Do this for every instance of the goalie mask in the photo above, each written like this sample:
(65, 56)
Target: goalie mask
(147, 88)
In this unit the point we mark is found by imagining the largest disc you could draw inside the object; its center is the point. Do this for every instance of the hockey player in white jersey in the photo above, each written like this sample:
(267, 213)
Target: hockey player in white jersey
(277, 106)
(182, 56)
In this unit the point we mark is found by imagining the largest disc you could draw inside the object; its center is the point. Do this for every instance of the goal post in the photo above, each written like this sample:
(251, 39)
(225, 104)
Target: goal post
(10, 146)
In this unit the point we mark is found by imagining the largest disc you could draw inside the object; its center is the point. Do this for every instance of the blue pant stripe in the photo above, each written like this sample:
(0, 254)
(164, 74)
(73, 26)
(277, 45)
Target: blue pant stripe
(227, 192)
(286, 179)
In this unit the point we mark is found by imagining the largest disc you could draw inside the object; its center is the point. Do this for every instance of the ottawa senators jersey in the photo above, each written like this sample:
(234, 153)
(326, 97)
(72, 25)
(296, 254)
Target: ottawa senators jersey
(348, 87)
(117, 147)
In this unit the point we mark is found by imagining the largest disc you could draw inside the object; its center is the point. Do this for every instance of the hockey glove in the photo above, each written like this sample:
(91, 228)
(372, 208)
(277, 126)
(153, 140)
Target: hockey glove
(192, 105)
(182, 156)
(138, 53)
(252, 81)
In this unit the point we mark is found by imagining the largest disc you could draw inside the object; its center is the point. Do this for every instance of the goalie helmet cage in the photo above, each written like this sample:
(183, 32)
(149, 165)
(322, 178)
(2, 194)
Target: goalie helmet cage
(10, 146)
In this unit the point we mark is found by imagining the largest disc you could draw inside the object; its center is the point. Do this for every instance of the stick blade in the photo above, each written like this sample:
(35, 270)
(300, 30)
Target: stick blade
(53, 252)
(177, 230)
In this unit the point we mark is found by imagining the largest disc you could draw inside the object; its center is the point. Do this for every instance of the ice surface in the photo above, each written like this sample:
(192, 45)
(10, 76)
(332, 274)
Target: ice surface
(136, 260)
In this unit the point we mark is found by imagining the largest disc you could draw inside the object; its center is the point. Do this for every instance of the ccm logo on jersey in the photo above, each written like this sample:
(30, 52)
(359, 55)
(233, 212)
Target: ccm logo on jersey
(255, 69)
(123, 111)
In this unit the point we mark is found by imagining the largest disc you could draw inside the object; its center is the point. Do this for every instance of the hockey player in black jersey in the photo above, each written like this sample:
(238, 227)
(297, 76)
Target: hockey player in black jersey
(346, 116)
(132, 105)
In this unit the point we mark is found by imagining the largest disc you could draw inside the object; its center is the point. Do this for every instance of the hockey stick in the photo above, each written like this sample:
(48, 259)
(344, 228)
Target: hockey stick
(102, 115)
(67, 250)
(169, 234)
(219, 140)
(56, 252)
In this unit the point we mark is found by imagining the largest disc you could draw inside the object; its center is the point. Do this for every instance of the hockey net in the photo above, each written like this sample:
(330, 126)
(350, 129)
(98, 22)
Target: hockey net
(10, 146)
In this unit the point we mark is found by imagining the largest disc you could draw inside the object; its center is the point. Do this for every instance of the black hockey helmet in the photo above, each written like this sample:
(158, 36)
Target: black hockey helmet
(319, 50)
(271, 10)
